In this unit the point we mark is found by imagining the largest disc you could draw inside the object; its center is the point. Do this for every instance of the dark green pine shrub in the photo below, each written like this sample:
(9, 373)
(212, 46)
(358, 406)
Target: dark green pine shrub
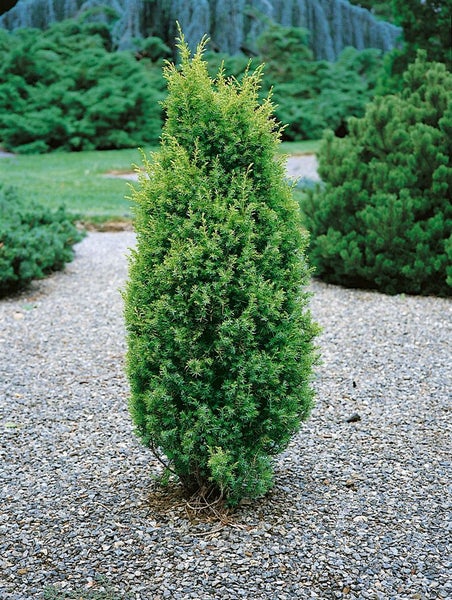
(33, 241)
(382, 219)
(220, 340)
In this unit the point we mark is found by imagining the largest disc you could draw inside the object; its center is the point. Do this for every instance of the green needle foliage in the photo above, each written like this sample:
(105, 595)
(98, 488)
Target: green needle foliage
(383, 219)
(426, 25)
(220, 341)
(311, 95)
(66, 89)
(34, 241)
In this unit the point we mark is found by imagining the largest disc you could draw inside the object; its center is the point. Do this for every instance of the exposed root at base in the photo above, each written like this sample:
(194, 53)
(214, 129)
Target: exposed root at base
(205, 506)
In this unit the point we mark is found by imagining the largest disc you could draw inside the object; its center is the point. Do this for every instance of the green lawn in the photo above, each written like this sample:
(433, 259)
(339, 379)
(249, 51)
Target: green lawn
(76, 180)
(79, 181)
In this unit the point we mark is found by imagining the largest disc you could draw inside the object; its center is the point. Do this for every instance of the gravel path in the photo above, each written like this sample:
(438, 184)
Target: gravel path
(360, 509)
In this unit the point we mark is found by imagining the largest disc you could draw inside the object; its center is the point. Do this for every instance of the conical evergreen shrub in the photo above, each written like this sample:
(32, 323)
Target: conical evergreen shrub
(220, 340)
(383, 218)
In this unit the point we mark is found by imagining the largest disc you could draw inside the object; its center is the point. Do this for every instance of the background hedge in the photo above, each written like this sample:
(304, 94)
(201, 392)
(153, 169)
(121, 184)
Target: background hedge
(65, 88)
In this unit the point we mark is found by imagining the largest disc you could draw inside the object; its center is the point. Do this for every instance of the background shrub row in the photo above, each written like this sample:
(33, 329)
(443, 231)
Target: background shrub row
(66, 88)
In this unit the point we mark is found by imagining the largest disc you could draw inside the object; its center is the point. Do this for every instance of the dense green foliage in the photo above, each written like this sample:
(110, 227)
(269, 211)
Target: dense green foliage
(310, 95)
(65, 88)
(426, 25)
(33, 241)
(220, 342)
(383, 218)
(380, 8)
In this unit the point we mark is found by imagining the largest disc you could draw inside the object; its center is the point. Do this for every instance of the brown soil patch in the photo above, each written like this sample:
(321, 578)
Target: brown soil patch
(113, 225)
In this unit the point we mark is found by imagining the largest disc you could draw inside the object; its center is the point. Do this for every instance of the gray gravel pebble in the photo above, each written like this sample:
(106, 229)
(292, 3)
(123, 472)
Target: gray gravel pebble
(361, 503)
